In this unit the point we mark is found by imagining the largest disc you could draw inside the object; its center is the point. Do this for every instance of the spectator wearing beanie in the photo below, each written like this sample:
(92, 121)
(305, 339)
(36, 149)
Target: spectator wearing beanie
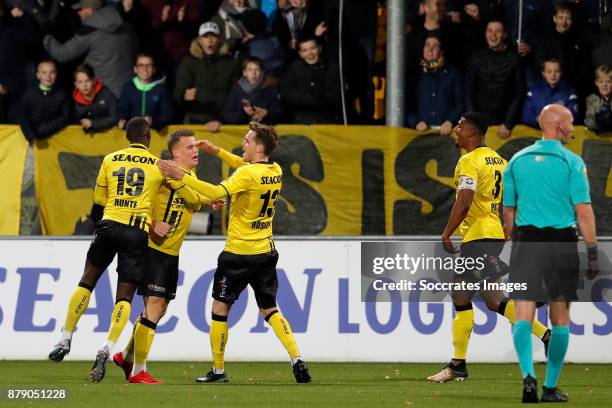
(259, 43)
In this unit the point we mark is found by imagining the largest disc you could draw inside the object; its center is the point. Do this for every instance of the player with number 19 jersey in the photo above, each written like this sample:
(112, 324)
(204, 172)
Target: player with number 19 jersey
(132, 180)
(481, 170)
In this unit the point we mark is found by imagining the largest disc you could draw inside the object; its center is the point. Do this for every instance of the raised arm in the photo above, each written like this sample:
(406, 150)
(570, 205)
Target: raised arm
(230, 159)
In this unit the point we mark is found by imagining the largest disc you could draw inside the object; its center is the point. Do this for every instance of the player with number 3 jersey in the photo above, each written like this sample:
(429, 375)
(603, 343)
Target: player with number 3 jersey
(476, 215)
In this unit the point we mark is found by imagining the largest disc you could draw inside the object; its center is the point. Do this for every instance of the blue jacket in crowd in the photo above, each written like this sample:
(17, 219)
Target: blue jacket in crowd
(541, 94)
(152, 99)
(439, 98)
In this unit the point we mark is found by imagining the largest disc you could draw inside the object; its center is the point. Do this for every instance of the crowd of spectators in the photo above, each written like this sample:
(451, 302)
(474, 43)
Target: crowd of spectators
(276, 61)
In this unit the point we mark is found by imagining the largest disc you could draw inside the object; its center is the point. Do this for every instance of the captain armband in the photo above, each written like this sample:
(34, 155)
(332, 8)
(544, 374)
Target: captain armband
(466, 183)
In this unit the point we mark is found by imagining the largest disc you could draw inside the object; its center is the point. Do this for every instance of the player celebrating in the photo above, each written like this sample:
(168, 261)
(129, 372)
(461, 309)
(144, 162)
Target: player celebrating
(478, 177)
(249, 257)
(171, 219)
(127, 184)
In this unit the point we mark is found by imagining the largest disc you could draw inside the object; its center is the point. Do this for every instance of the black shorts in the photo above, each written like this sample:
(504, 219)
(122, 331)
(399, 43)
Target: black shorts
(484, 251)
(235, 272)
(160, 276)
(128, 243)
(546, 261)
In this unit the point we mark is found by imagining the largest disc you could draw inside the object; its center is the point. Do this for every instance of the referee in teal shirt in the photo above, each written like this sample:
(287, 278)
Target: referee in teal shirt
(546, 193)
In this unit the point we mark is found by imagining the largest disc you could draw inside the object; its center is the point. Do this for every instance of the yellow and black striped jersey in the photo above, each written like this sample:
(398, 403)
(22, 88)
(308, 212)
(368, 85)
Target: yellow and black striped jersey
(481, 170)
(170, 207)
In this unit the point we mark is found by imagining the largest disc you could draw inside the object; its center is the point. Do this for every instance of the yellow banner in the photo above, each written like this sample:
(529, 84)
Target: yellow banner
(12, 161)
(356, 180)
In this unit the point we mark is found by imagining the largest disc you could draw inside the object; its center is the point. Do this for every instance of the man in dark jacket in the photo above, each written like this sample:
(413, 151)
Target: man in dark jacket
(145, 96)
(45, 109)
(103, 39)
(439, 92)
(311, 88)
(204, 78)
(495, 81)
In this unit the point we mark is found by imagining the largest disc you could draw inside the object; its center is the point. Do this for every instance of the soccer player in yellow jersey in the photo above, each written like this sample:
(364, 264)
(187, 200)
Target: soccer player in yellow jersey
(249, 257)
(127, 184)
(478, 179)
(171, 218)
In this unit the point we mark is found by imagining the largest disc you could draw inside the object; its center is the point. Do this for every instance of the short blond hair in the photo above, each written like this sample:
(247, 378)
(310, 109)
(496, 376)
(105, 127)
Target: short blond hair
(603, 71)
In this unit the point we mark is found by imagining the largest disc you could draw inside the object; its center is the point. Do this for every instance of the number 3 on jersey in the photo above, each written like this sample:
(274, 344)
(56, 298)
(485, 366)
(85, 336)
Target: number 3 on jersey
(267, 209)
(497, 188)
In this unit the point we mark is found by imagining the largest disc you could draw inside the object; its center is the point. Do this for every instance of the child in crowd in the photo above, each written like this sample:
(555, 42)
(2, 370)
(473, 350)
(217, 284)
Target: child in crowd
(550, 89)
(45, 108)
(145, 95)
(598, 108)
(95, 107)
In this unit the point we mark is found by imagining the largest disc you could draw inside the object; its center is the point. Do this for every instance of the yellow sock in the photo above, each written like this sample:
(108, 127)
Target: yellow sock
(462, 328)
(537, 327)
(76, 307)
(218, 340)
(143, 339)
(128, 352)
(282, 329)
(120, 317)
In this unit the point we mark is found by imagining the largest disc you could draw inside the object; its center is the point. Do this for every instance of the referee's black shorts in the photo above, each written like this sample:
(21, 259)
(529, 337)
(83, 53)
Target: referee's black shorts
(235, 272)
(160, 276)
(546, 260)
(128, 243)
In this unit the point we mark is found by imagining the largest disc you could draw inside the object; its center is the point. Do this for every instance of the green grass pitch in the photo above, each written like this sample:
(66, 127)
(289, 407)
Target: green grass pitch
(272, 385)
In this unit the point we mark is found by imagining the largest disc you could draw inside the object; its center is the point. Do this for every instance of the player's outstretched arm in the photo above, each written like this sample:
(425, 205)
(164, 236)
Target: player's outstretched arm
(230, 159)
(190, 196)
(171, 170)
